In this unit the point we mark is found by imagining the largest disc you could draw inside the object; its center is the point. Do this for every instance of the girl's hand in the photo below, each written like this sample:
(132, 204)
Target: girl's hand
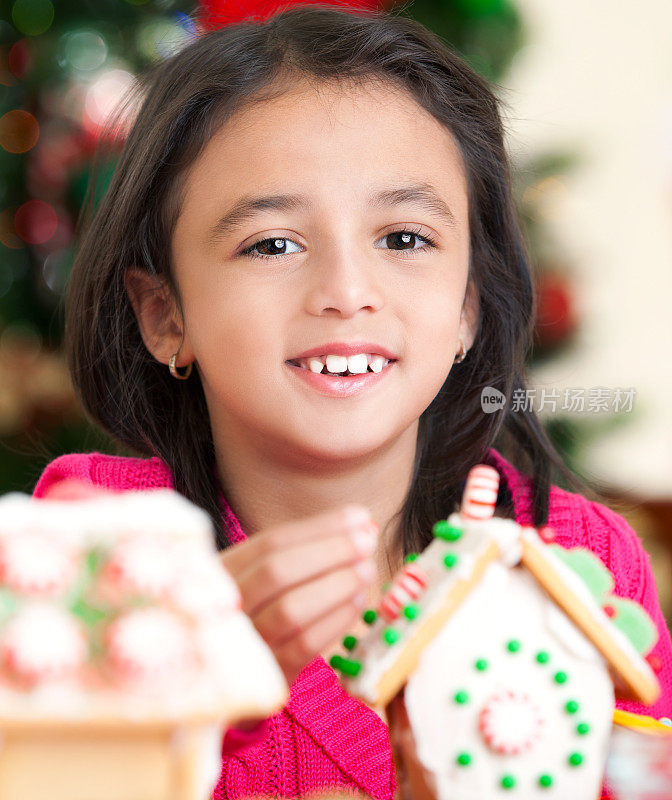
(304, 582)
(73, 489)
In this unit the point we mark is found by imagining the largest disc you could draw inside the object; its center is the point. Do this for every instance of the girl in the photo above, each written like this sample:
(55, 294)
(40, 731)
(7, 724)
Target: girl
(326, 192)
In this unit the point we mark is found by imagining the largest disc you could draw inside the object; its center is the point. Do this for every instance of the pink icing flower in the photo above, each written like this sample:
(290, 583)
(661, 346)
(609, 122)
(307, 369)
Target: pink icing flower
(42, 642)
(32, 563)
(142, 565)
(149, 643)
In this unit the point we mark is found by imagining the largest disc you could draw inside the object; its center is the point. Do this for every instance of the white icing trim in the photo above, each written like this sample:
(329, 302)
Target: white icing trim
(576, 586)
(100, 519)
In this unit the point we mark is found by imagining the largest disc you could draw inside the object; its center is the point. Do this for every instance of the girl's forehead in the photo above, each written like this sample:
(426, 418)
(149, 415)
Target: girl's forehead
(344, 138)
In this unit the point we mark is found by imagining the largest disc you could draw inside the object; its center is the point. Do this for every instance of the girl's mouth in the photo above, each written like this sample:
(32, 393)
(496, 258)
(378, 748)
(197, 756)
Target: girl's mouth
(321, 365)
(341, 384)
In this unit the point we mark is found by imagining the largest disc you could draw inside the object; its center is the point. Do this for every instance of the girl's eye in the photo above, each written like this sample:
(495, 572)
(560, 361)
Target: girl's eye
(406, 237)
(274, 245)
(399, 239)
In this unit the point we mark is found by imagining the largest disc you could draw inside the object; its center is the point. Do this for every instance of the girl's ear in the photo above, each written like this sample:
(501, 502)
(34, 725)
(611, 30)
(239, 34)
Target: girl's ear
(155, 309)
(469, 315)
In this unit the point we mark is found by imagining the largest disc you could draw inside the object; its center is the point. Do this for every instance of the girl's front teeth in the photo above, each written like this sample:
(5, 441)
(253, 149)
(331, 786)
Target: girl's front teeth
(356, 365)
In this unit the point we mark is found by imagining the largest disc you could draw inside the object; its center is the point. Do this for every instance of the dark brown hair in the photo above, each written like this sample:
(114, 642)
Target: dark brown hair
(183, 101)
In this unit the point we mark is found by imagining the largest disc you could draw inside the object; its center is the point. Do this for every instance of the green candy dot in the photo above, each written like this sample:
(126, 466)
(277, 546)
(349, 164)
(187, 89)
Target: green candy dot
(390, 636)
(542, 657)
(481, 665)
(463, 759)
(450, 559)
(369, 616)
(410, 557)
(545, 781)
(461, 697)
(571, 706)
(411, 611)
(583, 728)
(575, 759)
(386, 586)
(560, 677)
(345, 665)
(513, 646)
(349, 642)
(508, 782)
(443, 530)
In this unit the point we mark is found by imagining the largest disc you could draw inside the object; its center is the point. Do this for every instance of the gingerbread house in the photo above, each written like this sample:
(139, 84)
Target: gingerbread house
(124, 652)
(497, 656)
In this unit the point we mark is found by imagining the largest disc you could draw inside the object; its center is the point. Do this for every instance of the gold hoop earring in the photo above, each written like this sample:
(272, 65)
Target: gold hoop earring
(175, 373)
(463, 354)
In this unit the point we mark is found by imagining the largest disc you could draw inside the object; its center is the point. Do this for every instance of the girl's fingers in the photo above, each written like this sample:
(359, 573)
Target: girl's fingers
(272, 577)
(278, 537)
(295, 653)
(74, 489)
(298, 609)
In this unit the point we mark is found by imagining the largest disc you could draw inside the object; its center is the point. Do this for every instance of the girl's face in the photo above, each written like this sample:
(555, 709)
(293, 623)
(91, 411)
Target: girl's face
(337, 268)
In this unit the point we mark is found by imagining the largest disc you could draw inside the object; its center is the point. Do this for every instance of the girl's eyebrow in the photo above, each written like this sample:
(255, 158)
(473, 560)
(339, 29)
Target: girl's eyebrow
(422, 194)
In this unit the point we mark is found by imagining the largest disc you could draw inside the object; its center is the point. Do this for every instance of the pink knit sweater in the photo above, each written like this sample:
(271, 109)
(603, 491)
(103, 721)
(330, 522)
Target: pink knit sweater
(323, 738)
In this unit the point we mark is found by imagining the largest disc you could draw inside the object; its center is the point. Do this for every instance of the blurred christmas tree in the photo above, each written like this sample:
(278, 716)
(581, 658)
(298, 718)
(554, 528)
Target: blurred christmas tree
(63, 67)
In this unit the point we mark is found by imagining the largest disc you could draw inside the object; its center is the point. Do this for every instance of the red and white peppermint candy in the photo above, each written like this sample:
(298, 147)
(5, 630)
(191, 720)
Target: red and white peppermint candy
(480, 492)
(142, 565)
(406, 587)
(41, 642)
(35, 564)
(204, 588)
(510, 722)
(149, 643)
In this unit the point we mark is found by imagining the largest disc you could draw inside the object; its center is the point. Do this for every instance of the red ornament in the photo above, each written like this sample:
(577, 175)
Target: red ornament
(610, 611)
(655, 662)
(216, 14)
(556, 318)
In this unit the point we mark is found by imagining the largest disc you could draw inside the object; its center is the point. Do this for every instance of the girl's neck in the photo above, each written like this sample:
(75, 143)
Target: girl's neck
(267, 486)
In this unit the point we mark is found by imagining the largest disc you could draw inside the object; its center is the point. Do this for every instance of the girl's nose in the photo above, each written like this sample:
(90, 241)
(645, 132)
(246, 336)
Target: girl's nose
(343, 281)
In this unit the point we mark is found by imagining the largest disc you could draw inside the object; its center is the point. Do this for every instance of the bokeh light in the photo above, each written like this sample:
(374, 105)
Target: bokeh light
(32, 17)
(19, 131)
(19, 58)
(186, 22)
(56, 269)
(36, 221)
(161, 37)
(83, 50)
(105, 94)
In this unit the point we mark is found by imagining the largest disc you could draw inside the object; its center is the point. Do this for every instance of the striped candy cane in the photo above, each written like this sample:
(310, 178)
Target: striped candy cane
(480, 492)
(406, 587)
